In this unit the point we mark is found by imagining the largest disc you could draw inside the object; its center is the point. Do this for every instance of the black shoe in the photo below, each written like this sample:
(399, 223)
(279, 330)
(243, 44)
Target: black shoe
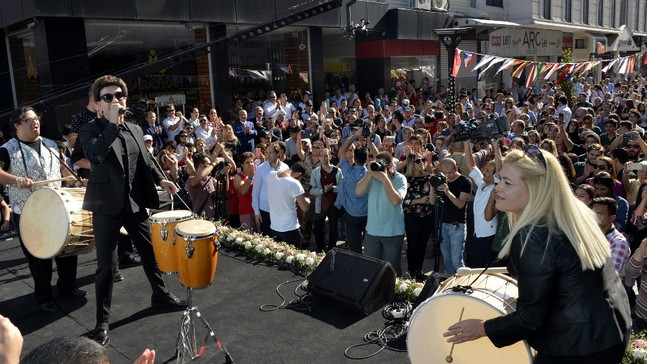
(169, 302)
(129, 260)
(76, 292)
(117, 276)
(49, 306)
(100, 335)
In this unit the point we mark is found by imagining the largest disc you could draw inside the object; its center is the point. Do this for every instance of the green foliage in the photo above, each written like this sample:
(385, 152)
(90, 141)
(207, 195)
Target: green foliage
(567, 85)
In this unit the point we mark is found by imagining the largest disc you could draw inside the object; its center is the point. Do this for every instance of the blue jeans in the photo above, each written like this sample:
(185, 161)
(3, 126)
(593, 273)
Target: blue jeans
(452, 246)
(387, 248)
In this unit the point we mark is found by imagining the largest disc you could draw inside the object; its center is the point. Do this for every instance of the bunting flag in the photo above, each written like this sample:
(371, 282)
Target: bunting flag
(469, 58)
(531, 75)
(507, 64)
(624, 65)
(552, 71)
(457, 62)
(483, 61)
(494, 61)
(304, 76)
(519, 69)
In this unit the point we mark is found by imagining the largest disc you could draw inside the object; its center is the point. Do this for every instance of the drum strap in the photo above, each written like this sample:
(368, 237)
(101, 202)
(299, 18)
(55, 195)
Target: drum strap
(468, 289)
(22, 154)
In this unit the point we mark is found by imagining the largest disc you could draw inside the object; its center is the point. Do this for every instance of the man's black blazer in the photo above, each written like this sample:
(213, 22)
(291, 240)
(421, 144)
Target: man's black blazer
(105, 193)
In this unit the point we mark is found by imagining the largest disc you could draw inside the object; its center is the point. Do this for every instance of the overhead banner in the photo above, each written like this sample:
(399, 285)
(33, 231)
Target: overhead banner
(508, 42)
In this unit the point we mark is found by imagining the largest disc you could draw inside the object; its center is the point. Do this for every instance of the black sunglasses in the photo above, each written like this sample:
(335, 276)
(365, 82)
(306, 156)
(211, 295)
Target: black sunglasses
(108, 97)
(535, 152)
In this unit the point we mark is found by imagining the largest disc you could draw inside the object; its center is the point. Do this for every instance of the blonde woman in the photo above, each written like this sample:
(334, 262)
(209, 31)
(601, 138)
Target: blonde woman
(572, 307)
(229, 138)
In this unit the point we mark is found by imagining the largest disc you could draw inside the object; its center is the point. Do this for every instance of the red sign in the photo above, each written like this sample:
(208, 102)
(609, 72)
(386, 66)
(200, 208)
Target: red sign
(567, 43)
(495, 41)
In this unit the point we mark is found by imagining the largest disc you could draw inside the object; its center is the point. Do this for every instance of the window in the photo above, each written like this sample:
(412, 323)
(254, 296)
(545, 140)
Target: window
(624, 12)
(568, 10)
(585, 11)
(546, 11)
(612, 13)
(579, 44)
(637, 12)
(600, 12)
(497, 3)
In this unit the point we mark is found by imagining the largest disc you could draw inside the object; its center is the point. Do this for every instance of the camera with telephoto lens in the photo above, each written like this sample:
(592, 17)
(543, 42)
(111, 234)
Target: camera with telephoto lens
(492, 127)
(219, 167)
(437, 180)
(377, 166)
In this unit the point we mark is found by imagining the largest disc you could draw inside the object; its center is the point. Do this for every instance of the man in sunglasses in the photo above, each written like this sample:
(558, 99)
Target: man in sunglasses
(120, 189)
(173, 123)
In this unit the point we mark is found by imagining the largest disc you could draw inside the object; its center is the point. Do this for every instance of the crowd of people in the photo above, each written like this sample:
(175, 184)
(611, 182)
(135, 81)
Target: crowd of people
(379, 171)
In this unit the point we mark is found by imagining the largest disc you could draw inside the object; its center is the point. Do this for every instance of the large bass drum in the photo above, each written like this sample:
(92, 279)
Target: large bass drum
(490, 296)
(53, 223)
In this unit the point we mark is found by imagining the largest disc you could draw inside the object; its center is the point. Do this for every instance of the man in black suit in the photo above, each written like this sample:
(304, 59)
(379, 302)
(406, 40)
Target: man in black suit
(121, 187)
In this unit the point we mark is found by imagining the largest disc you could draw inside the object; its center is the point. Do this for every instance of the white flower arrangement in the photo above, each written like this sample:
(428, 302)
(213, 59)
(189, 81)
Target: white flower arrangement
(407, 290)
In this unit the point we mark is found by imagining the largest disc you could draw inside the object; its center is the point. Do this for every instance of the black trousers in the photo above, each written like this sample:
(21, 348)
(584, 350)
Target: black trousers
(418, 231)
(320, 234)
(41, 271)
(265, 224)
(355, 232)
(106, 232)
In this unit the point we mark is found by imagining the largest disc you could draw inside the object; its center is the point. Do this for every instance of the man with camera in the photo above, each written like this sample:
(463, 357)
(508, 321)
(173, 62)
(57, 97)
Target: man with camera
(205, 187)
(385, 220)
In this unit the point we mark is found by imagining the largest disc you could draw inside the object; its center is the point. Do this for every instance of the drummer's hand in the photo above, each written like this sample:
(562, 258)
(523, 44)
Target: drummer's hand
(24, 182)
(168, 186)
(10, 342)
(466, 330)
(147, 357)
(6, 226)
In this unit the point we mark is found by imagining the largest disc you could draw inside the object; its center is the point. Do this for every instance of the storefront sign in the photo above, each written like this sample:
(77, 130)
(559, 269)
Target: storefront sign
(521, 43)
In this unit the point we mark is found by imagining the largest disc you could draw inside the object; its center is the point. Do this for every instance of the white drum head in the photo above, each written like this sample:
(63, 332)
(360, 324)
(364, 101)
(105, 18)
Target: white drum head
(170, 216)
(426, 344)
(195, 228)
(44, 223)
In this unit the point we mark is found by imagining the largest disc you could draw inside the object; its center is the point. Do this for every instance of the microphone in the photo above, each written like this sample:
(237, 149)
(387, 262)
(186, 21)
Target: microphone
(122, 111)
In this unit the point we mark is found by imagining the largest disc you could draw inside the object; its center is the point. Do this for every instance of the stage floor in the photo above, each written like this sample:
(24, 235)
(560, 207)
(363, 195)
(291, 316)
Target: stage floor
(231, 305)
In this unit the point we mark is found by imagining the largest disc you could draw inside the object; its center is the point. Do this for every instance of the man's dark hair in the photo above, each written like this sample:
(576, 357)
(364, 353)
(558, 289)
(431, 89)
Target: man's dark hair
(17, 116)
(620, 154)
(298, 167)
(68, 350)
(562, 100)
(105, 81)
(610, 203)
(280, 145)
(398, 116)
(604, 179)
(386, 156)
(199, 158)
(360, 155)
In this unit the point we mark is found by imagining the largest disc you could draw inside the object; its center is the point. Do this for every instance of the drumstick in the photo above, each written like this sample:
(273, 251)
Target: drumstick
(47, 181)
(449, 357)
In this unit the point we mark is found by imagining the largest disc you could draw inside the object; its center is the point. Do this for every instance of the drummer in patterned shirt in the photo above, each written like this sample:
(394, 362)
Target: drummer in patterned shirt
(24, 159)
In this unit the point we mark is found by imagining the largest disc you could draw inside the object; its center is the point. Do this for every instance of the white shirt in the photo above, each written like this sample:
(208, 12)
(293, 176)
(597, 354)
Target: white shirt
(282, 201)
(482, 227)
(206, 135)
(568, 114)
(259, 189)
(168, 122)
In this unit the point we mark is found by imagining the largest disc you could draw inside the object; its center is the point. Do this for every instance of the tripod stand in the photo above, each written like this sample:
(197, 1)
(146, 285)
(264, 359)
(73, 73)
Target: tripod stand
(187, 346)
(438, 228)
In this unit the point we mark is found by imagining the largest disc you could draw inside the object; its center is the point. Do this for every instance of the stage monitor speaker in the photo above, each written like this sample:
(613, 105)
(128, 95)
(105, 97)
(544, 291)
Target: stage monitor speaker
(353, 281)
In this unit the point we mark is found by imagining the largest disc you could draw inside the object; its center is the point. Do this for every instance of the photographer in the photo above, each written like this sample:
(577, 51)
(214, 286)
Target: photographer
(385, 220)
(206, 187)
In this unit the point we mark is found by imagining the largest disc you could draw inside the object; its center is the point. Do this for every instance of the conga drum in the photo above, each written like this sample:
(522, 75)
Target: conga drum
(53, 223)
(163, 237)
(490, 296)
(197, 252)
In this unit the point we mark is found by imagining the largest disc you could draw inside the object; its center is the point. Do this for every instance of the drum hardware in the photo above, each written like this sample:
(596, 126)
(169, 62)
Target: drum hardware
(164, 234)
(189, 251)
(449, 358)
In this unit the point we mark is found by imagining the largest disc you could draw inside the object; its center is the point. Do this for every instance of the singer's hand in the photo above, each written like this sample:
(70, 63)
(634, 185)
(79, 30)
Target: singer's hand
(116, 114)
(147, 357)
(168, 186)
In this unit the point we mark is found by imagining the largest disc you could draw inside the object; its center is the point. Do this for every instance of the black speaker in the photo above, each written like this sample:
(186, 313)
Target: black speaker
(353, 281)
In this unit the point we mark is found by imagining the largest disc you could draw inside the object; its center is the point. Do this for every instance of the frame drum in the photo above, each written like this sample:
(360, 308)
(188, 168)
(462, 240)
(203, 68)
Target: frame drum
(492, 295)
(197, 252)
(163, 237)
(53, 223)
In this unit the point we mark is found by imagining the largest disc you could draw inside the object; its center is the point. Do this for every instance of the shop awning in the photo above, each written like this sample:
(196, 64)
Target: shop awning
(475, 22)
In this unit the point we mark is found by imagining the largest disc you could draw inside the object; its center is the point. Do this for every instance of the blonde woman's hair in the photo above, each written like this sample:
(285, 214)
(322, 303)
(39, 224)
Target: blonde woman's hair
(562, 212)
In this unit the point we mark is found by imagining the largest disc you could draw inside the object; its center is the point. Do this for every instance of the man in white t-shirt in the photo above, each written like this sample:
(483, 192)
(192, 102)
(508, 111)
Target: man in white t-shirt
(286, 193)
(174, 122)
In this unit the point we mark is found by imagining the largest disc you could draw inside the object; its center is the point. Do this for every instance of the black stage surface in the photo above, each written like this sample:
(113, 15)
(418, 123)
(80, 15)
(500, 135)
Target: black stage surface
(231, 305)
